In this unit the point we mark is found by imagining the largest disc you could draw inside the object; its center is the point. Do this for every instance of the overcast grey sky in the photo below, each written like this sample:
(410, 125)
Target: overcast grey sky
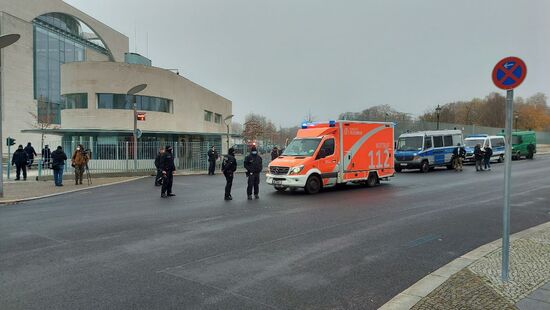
(282, 58)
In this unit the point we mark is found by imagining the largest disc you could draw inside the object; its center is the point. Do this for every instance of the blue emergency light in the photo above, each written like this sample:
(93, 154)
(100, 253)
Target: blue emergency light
(332, 123)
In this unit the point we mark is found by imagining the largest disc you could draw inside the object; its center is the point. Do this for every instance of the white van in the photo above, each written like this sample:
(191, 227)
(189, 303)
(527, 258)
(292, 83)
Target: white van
(426, 149)
(497, 144)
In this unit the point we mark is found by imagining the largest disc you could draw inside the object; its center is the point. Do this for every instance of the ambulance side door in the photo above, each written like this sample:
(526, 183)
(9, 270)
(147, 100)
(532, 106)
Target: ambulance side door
(327, 161)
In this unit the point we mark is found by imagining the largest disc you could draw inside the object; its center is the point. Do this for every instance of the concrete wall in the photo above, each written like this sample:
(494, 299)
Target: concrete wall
(189, 99)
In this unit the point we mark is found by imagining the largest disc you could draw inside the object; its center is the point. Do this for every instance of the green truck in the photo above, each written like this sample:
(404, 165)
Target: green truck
(524, 144)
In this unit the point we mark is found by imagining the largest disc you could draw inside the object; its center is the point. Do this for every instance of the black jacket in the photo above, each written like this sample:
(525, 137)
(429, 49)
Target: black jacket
(478, 153)
(212, 155)
(157, 160)
(20, 157)
(47, 153)
(253, 163)
(459, 151)
(166, 162)
(58, 158)
(30, 151)
(275, 154)
(488, 152)
(229, 164)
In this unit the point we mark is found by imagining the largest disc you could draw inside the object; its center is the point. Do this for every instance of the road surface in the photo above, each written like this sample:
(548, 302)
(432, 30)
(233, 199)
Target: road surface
(123, 247)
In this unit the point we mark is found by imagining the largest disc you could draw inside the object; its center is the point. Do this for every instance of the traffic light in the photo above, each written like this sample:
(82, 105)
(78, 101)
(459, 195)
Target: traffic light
(10, 141)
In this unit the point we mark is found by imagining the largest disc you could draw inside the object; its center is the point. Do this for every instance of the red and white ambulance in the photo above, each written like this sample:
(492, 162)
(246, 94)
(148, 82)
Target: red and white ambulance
(337, 152)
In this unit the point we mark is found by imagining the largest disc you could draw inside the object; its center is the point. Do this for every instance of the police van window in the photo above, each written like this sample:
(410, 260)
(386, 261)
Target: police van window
(438, 141)
(457, 139)
(427, 143)
(448, 140)
(328, 147)
(496, 142)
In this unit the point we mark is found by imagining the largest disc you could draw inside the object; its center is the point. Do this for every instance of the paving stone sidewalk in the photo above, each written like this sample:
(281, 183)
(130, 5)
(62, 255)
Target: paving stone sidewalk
(478, 286)
(16, 190)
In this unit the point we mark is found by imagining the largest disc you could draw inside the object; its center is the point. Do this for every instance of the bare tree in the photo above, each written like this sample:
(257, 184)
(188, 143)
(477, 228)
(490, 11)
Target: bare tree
(43, 119)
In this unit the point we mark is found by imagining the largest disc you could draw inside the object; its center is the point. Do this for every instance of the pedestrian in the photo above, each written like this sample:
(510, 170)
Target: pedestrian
(229, 166)
(46, 156)
(30, 154)
(488, 153)
(168, 168)
(20, 160)
(458, 157)
(478, 156)
(531, 151)
(212, 157)
(253, 165)
(58, 165)
(275, 153)
(79, 162)
(158, 178)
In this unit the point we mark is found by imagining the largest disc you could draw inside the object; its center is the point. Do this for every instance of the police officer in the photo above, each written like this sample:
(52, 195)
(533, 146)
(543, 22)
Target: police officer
(275, 153)
(168, 168)
(212, 157)
(19, 160)
(253, 165)
(458, 157)
(229, 166)
(158, 178)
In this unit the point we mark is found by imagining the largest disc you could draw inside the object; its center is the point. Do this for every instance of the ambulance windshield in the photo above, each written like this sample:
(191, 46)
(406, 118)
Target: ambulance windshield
(302, 147)
(410, 143)
(473, 142)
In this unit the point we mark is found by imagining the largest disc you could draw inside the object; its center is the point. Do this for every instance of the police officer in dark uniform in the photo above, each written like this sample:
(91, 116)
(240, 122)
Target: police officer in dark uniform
(253, 165)
(158, 178)
(212, 157)
(168, 168)
(229, 166)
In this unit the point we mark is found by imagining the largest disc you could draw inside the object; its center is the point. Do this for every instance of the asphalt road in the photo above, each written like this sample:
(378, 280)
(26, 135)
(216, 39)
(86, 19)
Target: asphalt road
(123, 247)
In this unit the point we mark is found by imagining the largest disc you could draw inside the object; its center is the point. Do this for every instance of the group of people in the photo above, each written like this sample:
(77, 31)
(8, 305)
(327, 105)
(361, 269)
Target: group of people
(23, 158)
(253, 164)
(482, 157)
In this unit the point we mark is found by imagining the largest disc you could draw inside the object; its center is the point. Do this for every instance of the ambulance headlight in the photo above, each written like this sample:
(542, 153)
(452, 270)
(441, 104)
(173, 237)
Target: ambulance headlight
(297, 169)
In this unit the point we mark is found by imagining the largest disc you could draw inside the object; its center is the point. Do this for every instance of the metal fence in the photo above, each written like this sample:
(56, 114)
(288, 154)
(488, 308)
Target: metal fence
(189, 157)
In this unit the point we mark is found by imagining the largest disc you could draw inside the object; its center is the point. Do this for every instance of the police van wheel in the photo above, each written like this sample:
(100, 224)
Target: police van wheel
(425, 167)
(372, 180)
(280, 189)
(313, 185)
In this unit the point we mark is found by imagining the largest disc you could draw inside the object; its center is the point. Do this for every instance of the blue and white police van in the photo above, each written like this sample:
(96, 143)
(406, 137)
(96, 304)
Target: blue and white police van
(497, 144)
(425, 150)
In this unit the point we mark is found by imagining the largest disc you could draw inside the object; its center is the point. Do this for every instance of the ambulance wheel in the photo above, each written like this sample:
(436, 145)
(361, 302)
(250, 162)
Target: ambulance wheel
(425, 167)
(313, 185)
(280, 189)
(500, 159)
(372, 180)
(398, 169)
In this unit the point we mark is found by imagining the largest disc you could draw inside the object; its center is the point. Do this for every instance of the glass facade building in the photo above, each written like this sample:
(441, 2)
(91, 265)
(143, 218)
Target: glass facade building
(143, 103)
(58, 39)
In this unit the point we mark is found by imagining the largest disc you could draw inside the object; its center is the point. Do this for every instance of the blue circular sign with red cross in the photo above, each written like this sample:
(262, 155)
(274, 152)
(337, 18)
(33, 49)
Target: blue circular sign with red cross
(509, 73)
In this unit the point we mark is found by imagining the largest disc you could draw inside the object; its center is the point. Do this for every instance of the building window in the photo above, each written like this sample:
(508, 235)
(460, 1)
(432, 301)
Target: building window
(208, 116)
(75, 101)
(218, 118)
(143, 103)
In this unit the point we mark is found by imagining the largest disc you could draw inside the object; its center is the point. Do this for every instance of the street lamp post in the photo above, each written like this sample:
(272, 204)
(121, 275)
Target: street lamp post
(516, 117)
(227, 122)
(5, 40)
(132, 92)
(438, 111)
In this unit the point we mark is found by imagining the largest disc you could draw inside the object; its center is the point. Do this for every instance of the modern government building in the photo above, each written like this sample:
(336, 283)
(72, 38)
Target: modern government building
(72, 73)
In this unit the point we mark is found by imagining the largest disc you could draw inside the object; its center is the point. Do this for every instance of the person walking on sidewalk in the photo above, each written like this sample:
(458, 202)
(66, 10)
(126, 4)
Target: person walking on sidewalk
(487, 157)
(229, 166)
(158, 178)
(212, 157)
(79, 162)
(478, 156)
(168, 168)
(46, 156)
(254, 166)
(20, 160)
(30, 154)
(58, 165)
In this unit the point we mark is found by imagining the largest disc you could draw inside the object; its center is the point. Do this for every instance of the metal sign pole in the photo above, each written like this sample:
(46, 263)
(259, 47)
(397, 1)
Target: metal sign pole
(507, 178)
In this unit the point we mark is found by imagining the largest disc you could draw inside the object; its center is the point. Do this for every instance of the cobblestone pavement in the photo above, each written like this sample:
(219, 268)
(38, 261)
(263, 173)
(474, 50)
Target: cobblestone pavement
(27, 189)
(478, 286)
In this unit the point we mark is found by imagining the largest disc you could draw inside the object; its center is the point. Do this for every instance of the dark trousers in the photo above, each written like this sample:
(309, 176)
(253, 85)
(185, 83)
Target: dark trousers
(253, 182)
(58, 175)
(478, 164)
(228, 183)
(167, 183)
(19, 168)
(487, 162)
(211, 167)
(158, 177)
(31, 160)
